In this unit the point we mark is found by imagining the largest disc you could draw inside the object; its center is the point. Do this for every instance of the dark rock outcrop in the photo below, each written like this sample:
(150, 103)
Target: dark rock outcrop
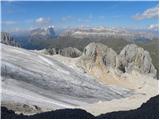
(49, 51)
(57, 114)
(70, 52)
(8, 40)
(149, 110)
(67, 52)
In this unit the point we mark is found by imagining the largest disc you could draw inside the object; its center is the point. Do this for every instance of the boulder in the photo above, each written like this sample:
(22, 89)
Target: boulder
(70, 52)
(49, 51)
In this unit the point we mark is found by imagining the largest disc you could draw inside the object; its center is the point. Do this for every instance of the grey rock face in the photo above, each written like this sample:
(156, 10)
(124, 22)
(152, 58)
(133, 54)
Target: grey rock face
(51, 31)
(8, 40)
(45, 32)
(70, 52)
(42, 34)
(130, 58)
(136, 58)
(100, 54)
(49, 51)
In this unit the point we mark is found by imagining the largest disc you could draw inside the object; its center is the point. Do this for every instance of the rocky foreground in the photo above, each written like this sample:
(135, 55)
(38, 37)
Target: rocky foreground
(149, 110)
(99, 81)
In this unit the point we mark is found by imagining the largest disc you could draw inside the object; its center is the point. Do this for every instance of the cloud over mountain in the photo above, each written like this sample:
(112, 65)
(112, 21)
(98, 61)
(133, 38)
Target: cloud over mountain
(154, 27)
(147, 14)
(41, 21)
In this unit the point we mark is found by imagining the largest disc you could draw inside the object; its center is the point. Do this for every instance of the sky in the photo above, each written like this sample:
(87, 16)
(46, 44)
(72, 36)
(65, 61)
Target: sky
(21, 15)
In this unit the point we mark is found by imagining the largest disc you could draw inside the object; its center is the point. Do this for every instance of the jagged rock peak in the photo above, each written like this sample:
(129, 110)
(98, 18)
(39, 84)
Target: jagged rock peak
(49, 31)
(8, 40)
(132, 58)
(100, 54)
(135, 58)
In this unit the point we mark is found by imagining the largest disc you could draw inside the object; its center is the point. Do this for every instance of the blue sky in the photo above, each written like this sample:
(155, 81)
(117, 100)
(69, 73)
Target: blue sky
(27, 15)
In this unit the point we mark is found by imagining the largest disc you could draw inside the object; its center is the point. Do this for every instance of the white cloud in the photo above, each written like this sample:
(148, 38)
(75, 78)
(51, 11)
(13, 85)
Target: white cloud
(9, 22)
(39, 20)
(43, 21)
(154, 27)
(147, 14)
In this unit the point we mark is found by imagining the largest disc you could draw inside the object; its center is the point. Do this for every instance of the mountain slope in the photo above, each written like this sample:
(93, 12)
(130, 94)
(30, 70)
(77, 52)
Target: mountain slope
(34, 79)
(33, 82)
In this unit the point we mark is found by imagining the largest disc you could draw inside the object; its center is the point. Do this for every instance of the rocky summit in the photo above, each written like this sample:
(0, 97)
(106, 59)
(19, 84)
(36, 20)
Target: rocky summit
(99, 54)
(49, 31)
(7, 39)
(132, 58)
(136, 58)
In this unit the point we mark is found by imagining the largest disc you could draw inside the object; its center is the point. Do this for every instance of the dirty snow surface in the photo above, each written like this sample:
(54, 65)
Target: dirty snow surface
(33, 79)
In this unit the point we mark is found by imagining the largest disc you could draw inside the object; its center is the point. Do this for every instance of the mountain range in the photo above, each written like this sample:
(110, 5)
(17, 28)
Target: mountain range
(40, 82)
(31, 39)
(127, 34)
(87, 72)
(116, 38)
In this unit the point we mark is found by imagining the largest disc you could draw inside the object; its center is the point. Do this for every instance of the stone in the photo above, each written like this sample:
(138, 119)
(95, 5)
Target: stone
(70, 52)
(50, 51)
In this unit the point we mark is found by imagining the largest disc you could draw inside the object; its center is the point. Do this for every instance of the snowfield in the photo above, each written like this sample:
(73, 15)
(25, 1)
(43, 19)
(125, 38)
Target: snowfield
(33, 79)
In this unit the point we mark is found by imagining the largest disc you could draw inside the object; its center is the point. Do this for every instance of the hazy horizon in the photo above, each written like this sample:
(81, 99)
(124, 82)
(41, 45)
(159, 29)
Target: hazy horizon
(20, 15)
